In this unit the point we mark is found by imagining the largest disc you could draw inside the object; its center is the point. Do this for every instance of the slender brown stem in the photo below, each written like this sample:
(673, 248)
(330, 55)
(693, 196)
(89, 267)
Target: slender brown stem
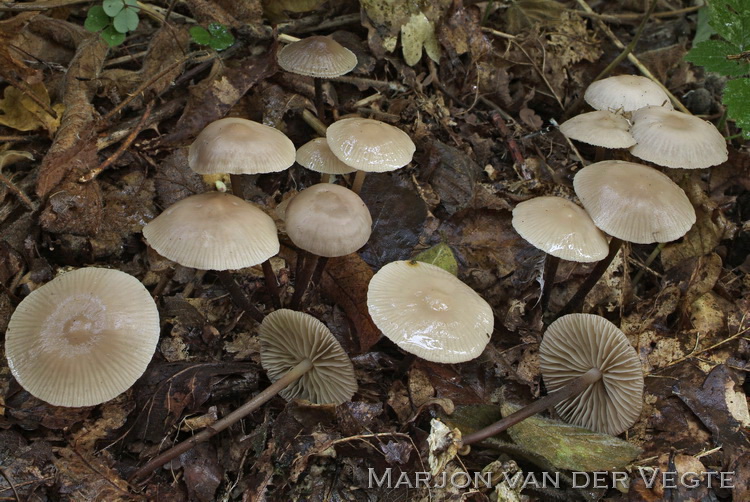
(575, 303)
(238, 296)
(319, 104)
(550, 270)
(654, 254)
(256, 402)
(359, 180)
(271, 284)
(574, 387)
(238, 185)
(322, 261)
(303, 280)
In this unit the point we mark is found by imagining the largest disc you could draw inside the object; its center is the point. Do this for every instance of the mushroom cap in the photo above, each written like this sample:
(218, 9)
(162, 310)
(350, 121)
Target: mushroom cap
(559, 227)
(600, 128)
(316, 156)
(328, 220)
(429, 312)
(318, 56)
(626, 93)
(574, 344)
(675, 139)
(370, 145)
(287, 338)
(213, 231)
(240, 146)
(633, 202)
(83, 338)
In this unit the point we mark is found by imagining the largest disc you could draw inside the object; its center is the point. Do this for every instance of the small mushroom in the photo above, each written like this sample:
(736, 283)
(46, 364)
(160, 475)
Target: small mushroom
(429, 312)
(626, 93)
(593, 374)
(317, 156)
(83, 338)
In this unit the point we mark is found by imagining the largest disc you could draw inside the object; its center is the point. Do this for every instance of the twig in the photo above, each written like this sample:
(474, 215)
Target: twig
(37, 6)
(377, 84)
(314, 122)
(17, 192)
(299, 26)
(9, 139)
(616, 18)
(540, 72)
(164, 111)
(239, 297)
(500, 34)
(515, 151)
(4, 473)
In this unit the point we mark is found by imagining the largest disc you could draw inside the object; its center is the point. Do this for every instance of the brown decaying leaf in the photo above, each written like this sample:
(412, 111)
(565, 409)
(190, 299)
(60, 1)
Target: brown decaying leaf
(452, 174)
(461, 33)
(202, 472)
(12, 67)
(82, 476)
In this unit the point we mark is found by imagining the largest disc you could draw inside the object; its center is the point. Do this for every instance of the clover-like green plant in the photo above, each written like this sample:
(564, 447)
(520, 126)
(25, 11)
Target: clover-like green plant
(114, 19)
(728, 54)
(217, 36)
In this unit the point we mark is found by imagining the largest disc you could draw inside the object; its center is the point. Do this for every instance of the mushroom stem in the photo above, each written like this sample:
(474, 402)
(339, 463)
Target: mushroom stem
(359, 180)
(319, 270)
(656, 252)
(238, 296)
(576, 301)
(303, 280)
(271, 284)
(550, 270)
(319, 104)
(572, 388)
(238, 185)
(250, 406)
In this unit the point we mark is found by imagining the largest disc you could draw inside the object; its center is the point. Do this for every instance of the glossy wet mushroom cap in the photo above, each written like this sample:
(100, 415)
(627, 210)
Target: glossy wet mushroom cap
(633, 202)
(83, 338)
(626, 93)
(600, 128)
(675, 139)
(288, 337)
(429, 312)
(317, 156)
(573, 345)
(370, 145)
(328, 220)
(559, 227)
(213, 231)
(318, 56)
(240, 146)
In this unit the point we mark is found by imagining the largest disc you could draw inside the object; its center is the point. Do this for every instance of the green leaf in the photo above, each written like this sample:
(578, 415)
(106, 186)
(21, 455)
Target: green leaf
(126, 20)
(731, 20)
(222, 37)
(112, 36)
(712, 55)
(200, 35)
(132, 3)
(112, 7)
(441, 256)
(737, 100)
(703, 30)
(96, 19)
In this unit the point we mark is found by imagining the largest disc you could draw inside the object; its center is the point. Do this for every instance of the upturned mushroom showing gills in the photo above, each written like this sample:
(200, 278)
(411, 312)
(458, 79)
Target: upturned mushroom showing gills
(83, 338)
(429, 312)
(303, 360)
(593, 374)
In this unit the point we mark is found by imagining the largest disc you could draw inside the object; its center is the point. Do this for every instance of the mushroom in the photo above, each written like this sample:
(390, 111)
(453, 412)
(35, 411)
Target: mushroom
(303, 360)
(324, 220)
(561, 229)
(593, 374)
(631, 202)
(317, 156)
(369, 145)
(83, 338)
(626, 93)
(601, 128)
(215, 231)
(675, 139)
(429, 312)
(317, 57)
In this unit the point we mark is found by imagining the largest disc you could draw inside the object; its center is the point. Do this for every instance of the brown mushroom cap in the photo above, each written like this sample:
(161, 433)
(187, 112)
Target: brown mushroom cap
(287, 338)
(320, 57)
(83, 338)
(328, 220)
(213, 231)
(429, 312)
(316, 156)
(599, 128)
(675, 139)
(633, 202)
(573, 345)
(626, 93)
(559, 227)
(370, 145)
(240, 146)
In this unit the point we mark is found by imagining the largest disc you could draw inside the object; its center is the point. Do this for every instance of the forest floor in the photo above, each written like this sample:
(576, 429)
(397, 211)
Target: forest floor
(484, 121)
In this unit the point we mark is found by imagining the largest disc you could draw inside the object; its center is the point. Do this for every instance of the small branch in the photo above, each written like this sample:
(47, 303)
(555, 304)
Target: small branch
(17, 192)
(238, 296)
(515, 151)
(271, 284)
(377, 84)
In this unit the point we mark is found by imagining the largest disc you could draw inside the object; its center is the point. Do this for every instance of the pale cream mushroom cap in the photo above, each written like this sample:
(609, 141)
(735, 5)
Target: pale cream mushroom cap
(240, 146)
(429, 312)
(287, 338)
(626, 93)
(574, 344)
(559, 227)
(317, 156)
(675, 139)
(318, 56)
(83, 338)
(370, 145)
(213, 231)
(599, 128)
(328, 220)
(633, 202)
